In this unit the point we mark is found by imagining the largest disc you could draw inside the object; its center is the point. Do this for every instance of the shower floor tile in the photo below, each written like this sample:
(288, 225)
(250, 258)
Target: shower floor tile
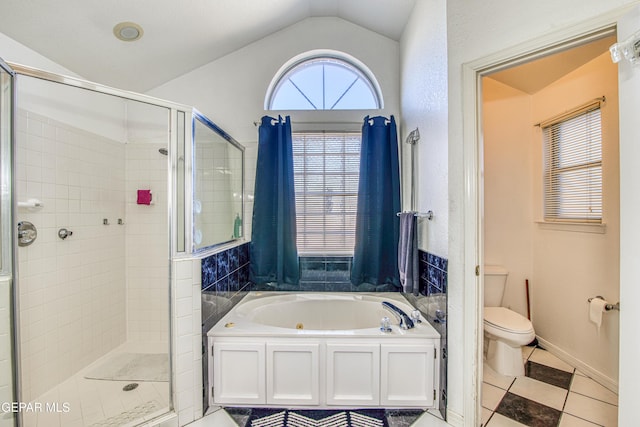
(96, 403)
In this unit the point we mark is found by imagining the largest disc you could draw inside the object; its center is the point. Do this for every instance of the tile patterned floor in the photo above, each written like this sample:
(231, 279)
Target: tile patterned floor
(550, 394)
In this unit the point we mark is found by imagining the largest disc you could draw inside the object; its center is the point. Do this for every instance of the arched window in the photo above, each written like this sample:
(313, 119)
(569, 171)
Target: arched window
(324, 81)
(326, 158)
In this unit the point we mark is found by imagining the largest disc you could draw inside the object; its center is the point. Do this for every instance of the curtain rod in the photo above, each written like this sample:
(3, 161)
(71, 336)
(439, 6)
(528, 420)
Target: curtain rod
(259, 122)
(573, 112)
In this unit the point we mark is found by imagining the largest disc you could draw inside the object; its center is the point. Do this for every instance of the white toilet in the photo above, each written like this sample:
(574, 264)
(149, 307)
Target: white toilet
(505, 331)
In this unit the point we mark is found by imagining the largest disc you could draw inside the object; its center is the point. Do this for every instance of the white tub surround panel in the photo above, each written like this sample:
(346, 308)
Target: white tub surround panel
(355, 373)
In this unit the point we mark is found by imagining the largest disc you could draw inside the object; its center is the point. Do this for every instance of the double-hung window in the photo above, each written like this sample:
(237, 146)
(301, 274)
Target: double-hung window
(573, 167)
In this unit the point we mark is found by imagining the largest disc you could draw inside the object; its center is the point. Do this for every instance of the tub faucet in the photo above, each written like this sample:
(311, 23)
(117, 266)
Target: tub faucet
(404, 320)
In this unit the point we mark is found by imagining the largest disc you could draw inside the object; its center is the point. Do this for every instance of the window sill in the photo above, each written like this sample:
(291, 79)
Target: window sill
(577, 227)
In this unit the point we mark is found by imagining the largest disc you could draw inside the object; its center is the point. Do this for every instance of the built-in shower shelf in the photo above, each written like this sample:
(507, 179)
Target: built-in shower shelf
(31, 204)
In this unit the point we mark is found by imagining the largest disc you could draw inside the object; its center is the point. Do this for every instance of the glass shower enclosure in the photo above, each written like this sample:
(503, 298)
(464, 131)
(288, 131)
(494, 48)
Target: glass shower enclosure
(102, 191)
(97, 173)
(7, 362)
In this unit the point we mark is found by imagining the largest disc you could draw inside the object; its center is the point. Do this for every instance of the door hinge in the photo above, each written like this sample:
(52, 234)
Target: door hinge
(435, 353)
(434, 394)
(477, 270)
(444, 352)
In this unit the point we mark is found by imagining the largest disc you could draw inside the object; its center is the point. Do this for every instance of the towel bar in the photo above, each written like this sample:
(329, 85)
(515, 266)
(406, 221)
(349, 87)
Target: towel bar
(428, 214)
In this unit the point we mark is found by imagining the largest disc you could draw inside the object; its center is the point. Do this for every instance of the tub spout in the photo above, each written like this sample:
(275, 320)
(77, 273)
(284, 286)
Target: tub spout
(404, 320)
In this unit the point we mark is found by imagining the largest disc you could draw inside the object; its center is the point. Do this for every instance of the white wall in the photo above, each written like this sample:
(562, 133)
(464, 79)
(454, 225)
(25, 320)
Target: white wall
(571, 266)
(423, 60)
(12, 51)
(79, 108)
(477, 30)
(231, 90)
(508, 200)
(424, 101)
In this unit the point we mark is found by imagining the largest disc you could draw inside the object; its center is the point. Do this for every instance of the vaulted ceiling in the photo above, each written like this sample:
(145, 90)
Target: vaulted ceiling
(179, 35)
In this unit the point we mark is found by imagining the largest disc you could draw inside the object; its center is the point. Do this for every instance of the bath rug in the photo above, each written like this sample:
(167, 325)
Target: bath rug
(132, 367)
(317, 418)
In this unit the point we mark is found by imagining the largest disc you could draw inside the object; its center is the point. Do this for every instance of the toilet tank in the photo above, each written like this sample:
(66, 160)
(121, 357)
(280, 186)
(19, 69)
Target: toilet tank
(495, 279)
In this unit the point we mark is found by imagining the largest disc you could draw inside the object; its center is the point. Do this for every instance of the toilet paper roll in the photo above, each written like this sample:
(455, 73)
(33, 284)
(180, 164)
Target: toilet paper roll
(596, 308)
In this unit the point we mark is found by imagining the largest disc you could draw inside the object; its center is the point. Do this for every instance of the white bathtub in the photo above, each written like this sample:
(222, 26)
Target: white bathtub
(322, 350)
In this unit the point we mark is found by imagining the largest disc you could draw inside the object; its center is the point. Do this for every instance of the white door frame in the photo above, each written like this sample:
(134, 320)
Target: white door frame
(473, 256)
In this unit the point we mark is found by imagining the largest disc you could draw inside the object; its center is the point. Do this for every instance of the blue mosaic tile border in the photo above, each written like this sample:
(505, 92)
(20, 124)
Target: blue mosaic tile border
(433, 273)
(226, 271)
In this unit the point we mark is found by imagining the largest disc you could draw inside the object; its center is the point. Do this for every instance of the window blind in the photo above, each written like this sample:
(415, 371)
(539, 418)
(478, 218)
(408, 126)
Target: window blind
(326, 169)
(573, 168)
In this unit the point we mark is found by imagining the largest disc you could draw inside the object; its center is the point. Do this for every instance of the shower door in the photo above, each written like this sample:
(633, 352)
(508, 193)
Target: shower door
(7, 384)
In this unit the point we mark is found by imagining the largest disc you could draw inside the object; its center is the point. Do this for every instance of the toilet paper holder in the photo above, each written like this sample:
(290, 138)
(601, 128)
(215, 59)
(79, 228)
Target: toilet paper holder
(607, 307)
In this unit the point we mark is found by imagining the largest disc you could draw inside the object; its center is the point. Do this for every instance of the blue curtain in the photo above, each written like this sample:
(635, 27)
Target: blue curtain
(375, 259)
(274, 256)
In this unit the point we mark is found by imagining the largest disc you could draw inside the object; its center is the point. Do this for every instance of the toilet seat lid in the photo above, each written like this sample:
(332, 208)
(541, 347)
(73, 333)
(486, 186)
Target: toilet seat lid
(507, 320)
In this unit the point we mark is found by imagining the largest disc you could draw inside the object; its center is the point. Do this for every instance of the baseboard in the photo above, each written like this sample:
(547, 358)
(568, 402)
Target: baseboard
(455, 419)
(589, 371)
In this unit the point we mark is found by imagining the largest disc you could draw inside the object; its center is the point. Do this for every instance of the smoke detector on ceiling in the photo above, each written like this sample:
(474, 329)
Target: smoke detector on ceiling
(128, 31)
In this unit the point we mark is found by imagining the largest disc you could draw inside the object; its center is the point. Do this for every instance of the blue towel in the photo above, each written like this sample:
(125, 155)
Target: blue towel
(408, 253)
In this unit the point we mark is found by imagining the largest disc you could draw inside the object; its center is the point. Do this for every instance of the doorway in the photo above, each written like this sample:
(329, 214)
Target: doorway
(554, 266)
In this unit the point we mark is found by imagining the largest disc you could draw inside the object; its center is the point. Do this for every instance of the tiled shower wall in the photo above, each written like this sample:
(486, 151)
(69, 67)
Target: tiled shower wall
(72, 292)
(187, 340)
(147, 244)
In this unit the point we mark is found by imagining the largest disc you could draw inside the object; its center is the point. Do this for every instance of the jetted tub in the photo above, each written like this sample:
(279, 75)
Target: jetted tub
(322, 350)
